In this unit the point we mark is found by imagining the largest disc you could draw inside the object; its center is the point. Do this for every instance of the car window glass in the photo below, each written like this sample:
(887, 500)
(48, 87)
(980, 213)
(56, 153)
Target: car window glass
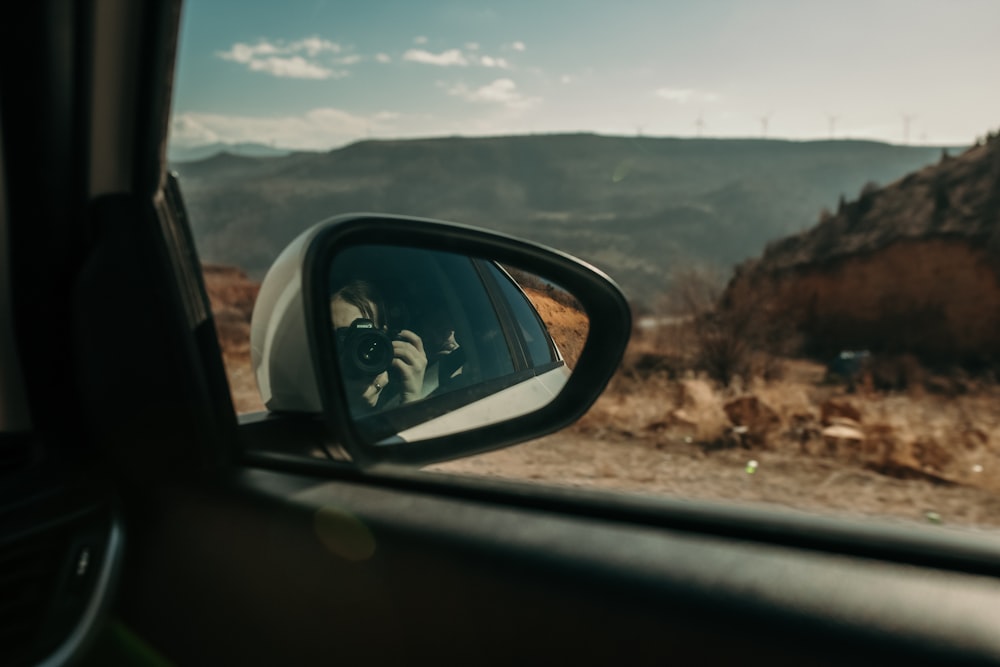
(801, 225)
(532, 333)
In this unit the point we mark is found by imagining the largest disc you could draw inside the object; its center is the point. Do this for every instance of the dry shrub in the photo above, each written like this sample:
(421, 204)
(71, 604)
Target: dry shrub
(907, 373)
(894, 372)
(661, 354)
(728, 339)
(755, 419)
(935, 438)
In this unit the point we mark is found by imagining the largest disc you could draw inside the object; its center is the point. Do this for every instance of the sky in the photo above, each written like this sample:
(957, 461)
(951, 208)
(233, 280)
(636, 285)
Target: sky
(317, 75)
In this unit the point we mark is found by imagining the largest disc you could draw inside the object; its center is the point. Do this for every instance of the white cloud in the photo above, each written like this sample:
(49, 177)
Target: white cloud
(187, 130)
(383, 58)
(245, 53)
(518, 46)
(447, 58)
(488, 61)
(313, 46)
(420, 40)
(472, 46)
(317, 129)
(501, 91)
(295, 67)
(685, 95)
(297, 59)
(566, 78)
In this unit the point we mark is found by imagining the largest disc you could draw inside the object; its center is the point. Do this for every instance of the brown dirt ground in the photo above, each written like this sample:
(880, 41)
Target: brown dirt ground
(926, 456)
(657, 465)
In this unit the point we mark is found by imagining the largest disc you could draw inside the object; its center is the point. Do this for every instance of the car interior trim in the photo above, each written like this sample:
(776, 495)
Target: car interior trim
(113, 100)
(14, 414)
(682, 571)
(90, 621)
(893, 541)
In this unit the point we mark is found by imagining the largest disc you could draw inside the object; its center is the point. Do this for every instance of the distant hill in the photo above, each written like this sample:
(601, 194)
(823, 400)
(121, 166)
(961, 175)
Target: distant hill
(913, 267)
(636, 207)
(203, 151)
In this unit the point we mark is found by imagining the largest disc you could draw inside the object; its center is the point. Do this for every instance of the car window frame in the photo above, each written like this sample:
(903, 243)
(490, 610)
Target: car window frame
(870, 537)
(501, 299)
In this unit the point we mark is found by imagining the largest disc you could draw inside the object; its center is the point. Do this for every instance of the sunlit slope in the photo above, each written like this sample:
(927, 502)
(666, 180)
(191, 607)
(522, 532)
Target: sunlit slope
(913, 267)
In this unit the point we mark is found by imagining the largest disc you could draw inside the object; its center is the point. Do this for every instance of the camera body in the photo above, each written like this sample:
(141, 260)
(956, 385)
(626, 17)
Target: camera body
(364, 350)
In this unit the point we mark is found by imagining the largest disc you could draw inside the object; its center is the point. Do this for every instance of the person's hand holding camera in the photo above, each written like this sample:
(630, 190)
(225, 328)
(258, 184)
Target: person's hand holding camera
(371, 358)
(409, 363)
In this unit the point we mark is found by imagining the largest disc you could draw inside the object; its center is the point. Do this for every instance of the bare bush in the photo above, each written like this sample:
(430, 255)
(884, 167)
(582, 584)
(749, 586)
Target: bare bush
(729, 339)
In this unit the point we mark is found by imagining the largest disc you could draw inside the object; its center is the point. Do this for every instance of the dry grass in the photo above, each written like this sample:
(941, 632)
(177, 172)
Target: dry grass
(659, 430)
(914, 433)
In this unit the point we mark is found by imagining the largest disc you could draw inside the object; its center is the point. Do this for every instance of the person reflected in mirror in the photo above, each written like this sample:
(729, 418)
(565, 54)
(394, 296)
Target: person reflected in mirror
(380, 368)
(445, 356)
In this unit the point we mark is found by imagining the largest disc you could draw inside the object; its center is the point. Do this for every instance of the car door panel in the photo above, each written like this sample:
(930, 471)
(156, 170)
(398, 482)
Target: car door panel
(279, 567)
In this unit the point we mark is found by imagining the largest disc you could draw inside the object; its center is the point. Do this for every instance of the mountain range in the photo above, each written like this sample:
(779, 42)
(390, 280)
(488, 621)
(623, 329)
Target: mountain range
(176, 153)
(636, 207)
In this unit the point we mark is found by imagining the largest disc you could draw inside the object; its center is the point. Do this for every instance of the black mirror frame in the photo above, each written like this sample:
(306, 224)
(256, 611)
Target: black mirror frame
(610, 325)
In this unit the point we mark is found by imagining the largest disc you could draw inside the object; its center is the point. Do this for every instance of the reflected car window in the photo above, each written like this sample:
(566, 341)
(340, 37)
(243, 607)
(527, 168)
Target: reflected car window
(536, 342)
(483, 353)
(442, 299)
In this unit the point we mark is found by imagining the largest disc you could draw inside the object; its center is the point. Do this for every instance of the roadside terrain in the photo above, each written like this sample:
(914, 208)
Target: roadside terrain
(852, 368)
(914, 456)
(924, 456)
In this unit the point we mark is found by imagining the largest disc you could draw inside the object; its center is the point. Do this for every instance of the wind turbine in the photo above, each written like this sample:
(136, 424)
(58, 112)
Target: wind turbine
(700, 122)
(907, 119)
(831, 120)
(764, 120)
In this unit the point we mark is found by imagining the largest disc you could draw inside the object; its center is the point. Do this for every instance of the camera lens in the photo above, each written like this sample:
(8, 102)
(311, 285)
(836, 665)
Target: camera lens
(373, 352)
(364, 350)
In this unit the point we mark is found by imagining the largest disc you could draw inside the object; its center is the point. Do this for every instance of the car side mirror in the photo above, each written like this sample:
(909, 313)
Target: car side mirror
(420, 341)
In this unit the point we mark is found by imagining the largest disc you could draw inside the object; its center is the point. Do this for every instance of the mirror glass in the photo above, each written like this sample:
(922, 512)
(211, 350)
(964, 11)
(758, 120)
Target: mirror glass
(432, 343)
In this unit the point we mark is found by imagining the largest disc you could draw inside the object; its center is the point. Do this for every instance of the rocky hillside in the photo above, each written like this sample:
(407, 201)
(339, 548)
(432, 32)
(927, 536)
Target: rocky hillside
(913, 267)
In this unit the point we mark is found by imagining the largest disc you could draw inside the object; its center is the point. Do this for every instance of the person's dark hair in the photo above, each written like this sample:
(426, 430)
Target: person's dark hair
(362, 295)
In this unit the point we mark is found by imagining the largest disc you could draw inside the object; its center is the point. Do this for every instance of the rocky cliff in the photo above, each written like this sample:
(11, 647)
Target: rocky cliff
(913, 267)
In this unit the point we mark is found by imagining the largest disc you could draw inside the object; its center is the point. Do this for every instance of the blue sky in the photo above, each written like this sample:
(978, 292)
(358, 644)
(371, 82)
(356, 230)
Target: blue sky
(320, 74)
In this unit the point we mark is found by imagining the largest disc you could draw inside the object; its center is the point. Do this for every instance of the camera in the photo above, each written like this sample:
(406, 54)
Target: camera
(364, 350)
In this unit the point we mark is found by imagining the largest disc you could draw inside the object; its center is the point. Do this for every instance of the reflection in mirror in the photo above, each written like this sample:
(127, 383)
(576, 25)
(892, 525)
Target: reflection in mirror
(432, 343)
